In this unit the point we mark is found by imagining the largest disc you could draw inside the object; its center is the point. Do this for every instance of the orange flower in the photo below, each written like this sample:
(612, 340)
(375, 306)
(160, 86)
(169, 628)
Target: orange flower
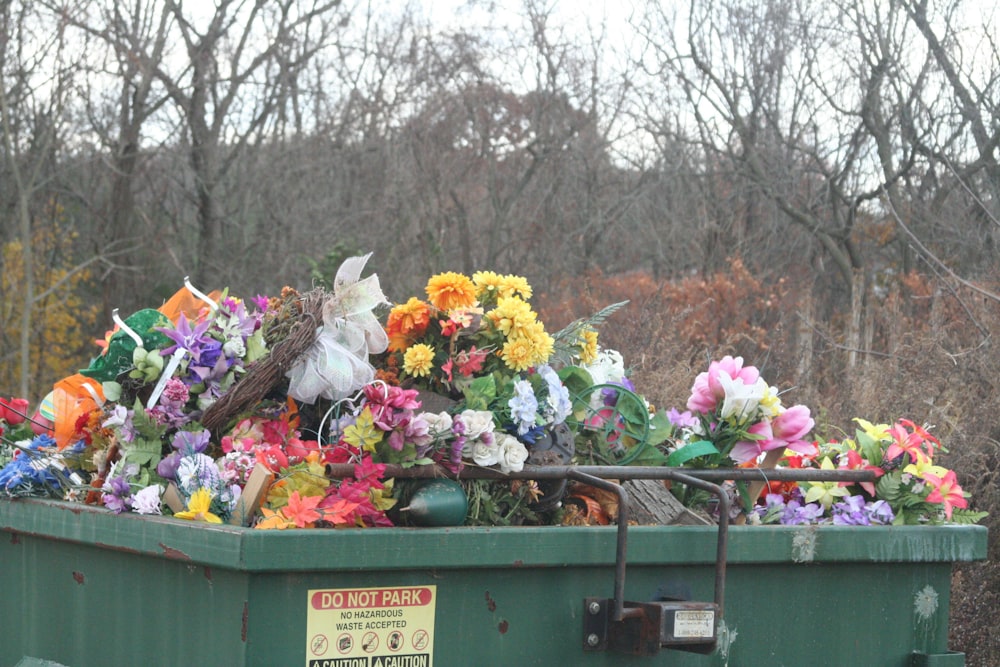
(451, 290)
(302, 511)
(406, 323)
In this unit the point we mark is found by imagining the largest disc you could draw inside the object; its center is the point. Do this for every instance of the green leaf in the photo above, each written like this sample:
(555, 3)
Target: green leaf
(888, 487)
(660, 428)
(481, 393)
(632, 409)
(691, 451)
(651, 456)
(966, 516)
(577, 381)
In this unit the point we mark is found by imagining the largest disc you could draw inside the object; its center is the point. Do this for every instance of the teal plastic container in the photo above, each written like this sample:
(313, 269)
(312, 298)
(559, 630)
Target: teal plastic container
(83, 587)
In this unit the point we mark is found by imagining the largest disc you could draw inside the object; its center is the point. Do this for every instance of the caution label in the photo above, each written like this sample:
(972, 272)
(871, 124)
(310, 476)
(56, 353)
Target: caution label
(371, 627)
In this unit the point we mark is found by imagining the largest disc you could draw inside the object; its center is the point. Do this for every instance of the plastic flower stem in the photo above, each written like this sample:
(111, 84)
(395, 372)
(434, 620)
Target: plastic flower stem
(168, 372)
(201, 295)
(124, 327)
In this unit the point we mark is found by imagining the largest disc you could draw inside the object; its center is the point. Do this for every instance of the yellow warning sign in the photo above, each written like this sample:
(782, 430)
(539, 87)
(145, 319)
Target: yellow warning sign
(371, 627)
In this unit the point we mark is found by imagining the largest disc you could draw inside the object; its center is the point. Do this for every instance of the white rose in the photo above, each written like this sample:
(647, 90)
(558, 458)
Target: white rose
(439, 423)
(477, 422)
(512, 454)
(485, 455)
(234, 348)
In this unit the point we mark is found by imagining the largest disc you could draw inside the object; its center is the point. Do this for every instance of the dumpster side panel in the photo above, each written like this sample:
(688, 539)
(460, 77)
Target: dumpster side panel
(80, 605)
(85, 587)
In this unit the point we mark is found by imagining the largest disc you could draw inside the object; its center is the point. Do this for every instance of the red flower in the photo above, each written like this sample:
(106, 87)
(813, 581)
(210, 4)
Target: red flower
(13, 410)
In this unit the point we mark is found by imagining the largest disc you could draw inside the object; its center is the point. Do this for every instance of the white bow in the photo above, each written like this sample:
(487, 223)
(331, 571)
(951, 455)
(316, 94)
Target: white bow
(336, 365)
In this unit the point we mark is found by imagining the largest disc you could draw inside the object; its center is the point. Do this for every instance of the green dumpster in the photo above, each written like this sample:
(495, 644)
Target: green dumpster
(82, 586)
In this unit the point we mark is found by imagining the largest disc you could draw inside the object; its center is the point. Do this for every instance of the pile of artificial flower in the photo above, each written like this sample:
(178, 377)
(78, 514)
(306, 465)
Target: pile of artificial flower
(468, 376)
(735, 418)
(127, 432)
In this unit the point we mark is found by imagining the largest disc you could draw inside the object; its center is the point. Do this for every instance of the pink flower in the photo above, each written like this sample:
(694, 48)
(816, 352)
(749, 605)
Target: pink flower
(707, 390)
(946, 491)
(748, 450)
(792, 425)
(786, 431)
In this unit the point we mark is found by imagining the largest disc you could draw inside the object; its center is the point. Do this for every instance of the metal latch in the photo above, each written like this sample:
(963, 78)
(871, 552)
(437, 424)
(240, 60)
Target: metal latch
(643, 628)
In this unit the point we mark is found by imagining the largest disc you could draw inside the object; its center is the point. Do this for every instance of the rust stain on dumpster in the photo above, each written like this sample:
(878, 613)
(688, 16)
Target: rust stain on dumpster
(246, 615)
(14, 539)
(176, 554)
(491, 604)
(78, 577)
(503, 627)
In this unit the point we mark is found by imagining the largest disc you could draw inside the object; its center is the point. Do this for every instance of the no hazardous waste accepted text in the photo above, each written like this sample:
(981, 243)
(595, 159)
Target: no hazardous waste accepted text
(371, 627)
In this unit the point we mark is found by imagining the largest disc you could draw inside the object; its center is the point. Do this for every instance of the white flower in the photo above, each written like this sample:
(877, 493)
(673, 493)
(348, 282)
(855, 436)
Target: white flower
(196, 471)
(477, 422)
(147, 500)
(558, 397)
(234, 348)
(438, 423)
(741, 400)
(512, 453)
(608, 367)
(485, 454)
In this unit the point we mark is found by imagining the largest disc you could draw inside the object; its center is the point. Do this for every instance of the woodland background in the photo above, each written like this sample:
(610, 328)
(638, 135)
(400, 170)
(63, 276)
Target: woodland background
(812, 185)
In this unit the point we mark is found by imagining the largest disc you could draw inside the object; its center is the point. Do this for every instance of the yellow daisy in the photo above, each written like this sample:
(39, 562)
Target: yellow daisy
(511, 285)
(487, 285)
(511, 315)
(418, 360)
(588, 346)
(518, 353)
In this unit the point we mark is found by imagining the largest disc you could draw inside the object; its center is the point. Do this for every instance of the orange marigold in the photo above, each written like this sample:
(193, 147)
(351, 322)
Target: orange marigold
(406, 323)
(451, 290)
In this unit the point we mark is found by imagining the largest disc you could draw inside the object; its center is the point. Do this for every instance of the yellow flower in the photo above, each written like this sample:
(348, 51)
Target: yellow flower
(451, 290)
(418, 360)
(198, 507)
(588, 346)
(511, 285)
(825, 492)
(541, 343)
(770, 402)
(487, 285)
(923, 466)
(518, 353)
(875, 431)
(511, 316)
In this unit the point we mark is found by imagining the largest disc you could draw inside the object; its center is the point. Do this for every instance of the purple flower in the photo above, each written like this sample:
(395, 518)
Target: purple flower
(879, 512)
(682, 419)
(167, 467)
(191, 442)
(192, 340)
(260, 301)
(850, 512)
(117, 494)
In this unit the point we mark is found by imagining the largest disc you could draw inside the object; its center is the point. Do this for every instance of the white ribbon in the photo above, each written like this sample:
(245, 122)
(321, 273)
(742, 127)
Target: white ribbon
(336, 365)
